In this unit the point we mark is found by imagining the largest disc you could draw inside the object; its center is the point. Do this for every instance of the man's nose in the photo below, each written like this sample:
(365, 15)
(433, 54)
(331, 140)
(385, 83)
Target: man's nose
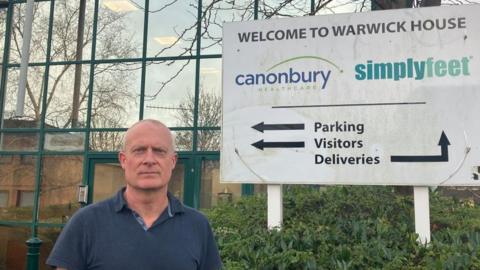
(149, 157)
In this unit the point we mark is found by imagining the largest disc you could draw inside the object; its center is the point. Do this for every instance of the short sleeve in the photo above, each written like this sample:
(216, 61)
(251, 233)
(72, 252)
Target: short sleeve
(71, 246)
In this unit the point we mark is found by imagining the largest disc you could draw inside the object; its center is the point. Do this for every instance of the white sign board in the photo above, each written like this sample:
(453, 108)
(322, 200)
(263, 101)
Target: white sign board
(388, 97)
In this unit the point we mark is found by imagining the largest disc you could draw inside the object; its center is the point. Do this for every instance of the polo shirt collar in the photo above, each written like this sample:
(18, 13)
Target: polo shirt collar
(174, 205)
(119, 201)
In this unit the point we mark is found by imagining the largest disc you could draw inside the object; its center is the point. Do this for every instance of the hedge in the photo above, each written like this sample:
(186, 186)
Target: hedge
(345, 227)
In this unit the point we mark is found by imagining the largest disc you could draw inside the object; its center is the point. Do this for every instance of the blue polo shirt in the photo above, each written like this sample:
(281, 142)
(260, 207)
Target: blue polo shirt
(108, 235)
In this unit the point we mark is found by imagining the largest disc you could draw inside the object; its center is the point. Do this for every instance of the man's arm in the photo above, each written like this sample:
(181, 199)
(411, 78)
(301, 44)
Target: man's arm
(70, 246)
(211, 259)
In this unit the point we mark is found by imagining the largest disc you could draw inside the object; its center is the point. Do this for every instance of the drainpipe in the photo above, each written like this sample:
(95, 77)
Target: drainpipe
(22, 82)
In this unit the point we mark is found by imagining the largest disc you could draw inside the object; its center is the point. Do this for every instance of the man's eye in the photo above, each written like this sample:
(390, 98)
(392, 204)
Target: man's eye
(160, 151)
(138, 151)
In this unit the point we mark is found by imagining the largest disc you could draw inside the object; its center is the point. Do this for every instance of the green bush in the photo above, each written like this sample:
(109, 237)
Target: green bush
(346, 228)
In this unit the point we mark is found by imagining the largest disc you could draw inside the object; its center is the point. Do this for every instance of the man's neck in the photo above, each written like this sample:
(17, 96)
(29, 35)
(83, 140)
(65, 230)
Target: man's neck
(148, 204)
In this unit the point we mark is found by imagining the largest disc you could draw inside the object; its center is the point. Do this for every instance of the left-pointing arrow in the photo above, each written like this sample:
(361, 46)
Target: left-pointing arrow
(261, 144)
(261, 127)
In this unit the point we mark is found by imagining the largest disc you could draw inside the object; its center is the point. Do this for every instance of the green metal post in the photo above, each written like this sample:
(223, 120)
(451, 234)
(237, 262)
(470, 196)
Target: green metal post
(247, 189)
(144, 56)
(33, 253)
(197, 163)
(90, 95)
(195, 168)
(3, 77)
(189, 182)
(197, 78)
(34, 242)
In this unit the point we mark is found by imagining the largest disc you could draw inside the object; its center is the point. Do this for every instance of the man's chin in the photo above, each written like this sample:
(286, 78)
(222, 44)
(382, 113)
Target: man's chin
(149, 187)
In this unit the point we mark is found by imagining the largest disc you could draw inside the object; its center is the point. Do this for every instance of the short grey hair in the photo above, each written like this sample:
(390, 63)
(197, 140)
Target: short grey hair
(155, 122)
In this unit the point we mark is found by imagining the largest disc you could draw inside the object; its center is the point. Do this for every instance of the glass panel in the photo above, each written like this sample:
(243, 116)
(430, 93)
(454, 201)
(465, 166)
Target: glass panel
(176, 184)
(169, 91)
(259, 188)
(116, 95)
(210, 105)
(344, 6)
(33, 96)
(106, 141)
(49, 237)
(69, 141)
(3, 25)
(38, 43)
(18, 141)
(108, 179)
(61, 176)
(65, 28)
(13, 249)
(172, 28)
(209, 140)
(212, 191)
(25, 198)
(4, 198)
(6, 159)
(61, 96)
(120, 29)
(18, 178)
(277, 9)
(216, 14)
(183, 140)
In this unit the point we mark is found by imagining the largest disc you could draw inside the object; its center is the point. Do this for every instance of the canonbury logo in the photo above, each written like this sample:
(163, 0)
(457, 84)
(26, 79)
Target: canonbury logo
(289, 75)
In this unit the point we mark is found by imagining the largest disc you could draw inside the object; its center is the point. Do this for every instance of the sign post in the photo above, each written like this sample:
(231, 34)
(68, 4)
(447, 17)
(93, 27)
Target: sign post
(274, 206)
(422, 214)
(354, 99)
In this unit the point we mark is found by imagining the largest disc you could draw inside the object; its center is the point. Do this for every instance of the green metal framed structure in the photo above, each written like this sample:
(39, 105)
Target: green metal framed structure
(193, 158)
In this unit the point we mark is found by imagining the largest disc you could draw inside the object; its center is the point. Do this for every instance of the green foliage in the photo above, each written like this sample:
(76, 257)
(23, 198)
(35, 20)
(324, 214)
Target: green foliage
(346, 228)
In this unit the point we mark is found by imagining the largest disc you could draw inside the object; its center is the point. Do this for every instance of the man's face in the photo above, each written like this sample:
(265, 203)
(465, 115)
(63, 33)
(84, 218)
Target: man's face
(148, 158)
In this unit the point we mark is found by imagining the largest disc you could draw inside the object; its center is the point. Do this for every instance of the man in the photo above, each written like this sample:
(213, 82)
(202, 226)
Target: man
(143, 226)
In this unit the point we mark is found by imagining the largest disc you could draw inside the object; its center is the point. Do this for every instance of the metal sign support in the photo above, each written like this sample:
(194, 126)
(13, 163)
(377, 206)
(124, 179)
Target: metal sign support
(422, 214)
(275, 206)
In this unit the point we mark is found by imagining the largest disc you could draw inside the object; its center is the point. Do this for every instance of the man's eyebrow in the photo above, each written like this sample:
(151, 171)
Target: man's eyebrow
(161, 148)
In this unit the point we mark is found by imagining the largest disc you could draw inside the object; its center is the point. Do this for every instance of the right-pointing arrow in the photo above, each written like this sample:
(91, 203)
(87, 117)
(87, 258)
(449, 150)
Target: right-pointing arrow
(443, 157)
(261, 144)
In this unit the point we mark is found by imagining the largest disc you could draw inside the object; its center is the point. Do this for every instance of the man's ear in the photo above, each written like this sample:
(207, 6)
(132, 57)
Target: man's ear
(174, 160)
(122, 158)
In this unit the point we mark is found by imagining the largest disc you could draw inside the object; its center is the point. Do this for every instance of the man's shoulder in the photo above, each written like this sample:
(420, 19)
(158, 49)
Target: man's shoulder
(94, 210)
(187, 212)
(195, 215)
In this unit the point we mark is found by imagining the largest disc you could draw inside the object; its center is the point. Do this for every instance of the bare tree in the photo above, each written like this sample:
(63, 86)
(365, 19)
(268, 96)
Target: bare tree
(111, 93)
(216, 12)
(3, 17)
(209, 115)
